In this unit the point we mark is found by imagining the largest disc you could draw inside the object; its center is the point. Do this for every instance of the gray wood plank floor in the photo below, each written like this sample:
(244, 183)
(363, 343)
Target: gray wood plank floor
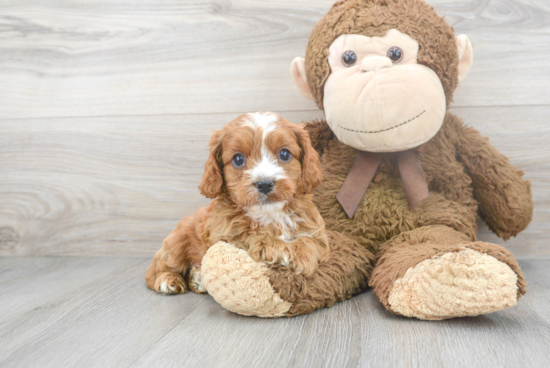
(97, 312)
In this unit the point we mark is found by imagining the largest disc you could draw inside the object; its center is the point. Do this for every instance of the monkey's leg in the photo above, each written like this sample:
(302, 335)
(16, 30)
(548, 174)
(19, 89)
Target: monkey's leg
(246, 287)
(435, 272)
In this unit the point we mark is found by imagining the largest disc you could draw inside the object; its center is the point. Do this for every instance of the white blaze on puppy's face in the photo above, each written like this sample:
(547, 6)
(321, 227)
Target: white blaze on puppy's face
(267, 168)
(267, 121)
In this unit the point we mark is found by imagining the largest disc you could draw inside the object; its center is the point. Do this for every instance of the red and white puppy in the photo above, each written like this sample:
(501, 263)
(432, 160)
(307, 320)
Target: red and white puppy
(261, 172)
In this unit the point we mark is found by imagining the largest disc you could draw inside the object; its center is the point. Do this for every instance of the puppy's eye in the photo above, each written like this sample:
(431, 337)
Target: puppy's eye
(238, 160)
(395, 54)
(285, 155)
(349, 58)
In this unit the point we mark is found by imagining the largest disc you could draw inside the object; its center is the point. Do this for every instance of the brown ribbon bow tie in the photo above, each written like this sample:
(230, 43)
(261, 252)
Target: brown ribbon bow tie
(363, 170)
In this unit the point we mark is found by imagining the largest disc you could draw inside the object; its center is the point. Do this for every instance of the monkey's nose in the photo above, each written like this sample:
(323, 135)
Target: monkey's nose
(374, 63)
(264, 186)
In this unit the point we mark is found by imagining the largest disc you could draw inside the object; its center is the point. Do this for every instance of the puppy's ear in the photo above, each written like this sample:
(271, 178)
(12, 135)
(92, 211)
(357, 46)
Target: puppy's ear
(212, 179)
(311, 167)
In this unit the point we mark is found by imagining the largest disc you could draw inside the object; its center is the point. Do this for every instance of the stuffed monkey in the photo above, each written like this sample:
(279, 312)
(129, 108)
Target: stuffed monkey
(404, 179)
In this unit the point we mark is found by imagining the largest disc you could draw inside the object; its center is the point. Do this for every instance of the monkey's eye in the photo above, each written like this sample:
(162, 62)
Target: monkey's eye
(349, 58)
(238, 160)
(395, 54)
(285, 155)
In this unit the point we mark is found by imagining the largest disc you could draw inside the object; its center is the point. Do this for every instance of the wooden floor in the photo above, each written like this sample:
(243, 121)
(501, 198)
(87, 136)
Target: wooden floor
(105, 111)
(97, 312)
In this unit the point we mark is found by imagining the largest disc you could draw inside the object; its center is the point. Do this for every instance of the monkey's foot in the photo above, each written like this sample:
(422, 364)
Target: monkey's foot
(239, 284)
(473, 279)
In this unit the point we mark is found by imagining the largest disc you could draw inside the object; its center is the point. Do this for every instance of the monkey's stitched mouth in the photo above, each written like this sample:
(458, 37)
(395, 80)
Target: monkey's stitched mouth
(384, 130)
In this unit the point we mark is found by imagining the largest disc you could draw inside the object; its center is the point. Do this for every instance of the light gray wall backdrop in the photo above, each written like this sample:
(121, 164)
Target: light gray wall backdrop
(106, 108)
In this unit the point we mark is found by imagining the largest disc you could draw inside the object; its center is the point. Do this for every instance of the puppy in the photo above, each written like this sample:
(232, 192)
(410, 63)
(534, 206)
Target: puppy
(261, 171)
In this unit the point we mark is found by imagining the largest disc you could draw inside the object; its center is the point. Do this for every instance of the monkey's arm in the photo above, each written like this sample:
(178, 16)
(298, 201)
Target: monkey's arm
(320, 134)
(505, 199)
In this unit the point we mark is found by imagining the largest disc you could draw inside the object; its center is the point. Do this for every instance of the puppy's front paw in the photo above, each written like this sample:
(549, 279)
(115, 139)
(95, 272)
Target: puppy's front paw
(270, 256)
(260, 254)
(194, 280)
(300, 265)
(304, 266)
(170, 283)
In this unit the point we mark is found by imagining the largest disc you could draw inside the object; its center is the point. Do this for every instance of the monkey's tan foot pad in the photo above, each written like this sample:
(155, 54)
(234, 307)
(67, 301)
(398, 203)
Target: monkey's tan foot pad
(455, 284)
(239, 284)
(194, 280)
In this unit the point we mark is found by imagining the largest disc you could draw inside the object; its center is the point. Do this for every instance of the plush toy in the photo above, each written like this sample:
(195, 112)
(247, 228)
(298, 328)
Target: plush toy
(404, 179)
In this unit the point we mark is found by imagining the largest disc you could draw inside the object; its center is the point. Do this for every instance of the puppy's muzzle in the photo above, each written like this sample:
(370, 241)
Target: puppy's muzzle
(264, 186)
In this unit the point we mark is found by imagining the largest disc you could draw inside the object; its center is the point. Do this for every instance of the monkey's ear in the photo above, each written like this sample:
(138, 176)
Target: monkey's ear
(465, 56)
(212, 179)
(298, 72)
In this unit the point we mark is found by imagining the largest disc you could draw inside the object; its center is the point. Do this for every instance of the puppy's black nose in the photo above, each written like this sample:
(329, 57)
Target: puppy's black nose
(264, 186)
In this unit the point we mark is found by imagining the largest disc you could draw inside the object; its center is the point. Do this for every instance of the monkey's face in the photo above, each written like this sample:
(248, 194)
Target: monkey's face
(377, 97)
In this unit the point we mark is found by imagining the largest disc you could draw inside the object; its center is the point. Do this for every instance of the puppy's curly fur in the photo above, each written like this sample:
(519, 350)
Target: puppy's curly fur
(275, 224)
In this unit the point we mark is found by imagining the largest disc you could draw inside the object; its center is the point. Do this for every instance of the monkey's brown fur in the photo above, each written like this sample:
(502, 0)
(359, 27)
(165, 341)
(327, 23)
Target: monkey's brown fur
(466, 176)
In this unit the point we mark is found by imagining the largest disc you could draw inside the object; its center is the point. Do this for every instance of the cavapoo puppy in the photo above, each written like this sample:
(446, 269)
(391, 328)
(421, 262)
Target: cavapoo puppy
(261, 171)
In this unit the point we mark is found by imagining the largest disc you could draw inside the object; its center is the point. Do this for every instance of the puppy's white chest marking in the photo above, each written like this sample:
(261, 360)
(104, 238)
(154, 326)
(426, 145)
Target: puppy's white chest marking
(274, 214)
(270, 213)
